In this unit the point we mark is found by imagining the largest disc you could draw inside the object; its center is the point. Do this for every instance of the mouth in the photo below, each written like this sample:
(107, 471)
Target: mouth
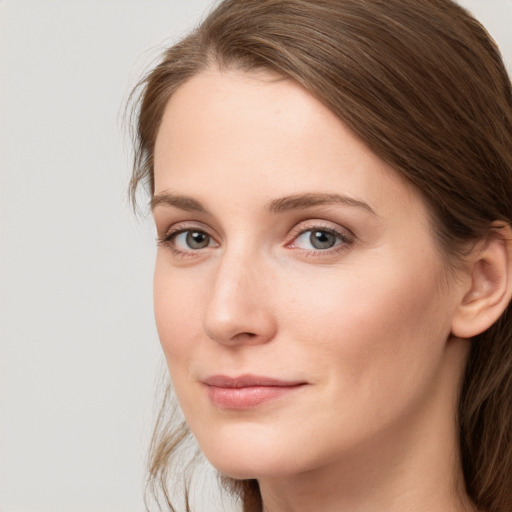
(247, 391)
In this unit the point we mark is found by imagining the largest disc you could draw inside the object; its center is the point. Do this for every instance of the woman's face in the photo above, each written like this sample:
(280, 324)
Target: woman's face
(302, 305)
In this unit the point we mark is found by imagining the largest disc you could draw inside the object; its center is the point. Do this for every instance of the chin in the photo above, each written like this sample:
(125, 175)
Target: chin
(245, 467)
(254, 452)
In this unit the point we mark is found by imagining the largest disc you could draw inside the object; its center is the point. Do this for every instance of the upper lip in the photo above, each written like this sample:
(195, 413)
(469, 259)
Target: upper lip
(245, 381)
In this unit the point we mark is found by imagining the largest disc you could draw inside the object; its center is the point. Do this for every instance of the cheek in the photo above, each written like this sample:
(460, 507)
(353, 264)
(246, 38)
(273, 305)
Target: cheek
(177, 316)
(375, 333)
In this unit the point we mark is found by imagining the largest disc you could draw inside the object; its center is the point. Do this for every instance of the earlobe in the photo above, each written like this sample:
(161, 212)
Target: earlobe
(490, 284)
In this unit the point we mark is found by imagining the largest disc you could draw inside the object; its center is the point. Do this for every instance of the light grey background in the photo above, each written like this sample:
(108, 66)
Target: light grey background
(79, 353)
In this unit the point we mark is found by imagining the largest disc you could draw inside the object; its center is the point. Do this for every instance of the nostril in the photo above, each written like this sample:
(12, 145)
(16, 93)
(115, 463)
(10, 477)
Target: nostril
(246, 335)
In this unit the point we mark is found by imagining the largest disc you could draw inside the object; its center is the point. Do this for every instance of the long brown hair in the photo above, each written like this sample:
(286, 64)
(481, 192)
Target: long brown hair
(423, 84)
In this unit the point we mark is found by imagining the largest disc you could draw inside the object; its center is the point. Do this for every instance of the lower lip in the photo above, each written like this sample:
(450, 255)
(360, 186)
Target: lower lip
(247, 397)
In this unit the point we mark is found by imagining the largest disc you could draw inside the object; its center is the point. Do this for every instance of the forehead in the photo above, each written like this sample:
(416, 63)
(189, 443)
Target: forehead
(238, 107)
(264, 136)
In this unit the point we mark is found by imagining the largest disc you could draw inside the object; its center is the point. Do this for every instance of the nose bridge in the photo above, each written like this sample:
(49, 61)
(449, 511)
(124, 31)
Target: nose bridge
(238, 307)
(233, 274)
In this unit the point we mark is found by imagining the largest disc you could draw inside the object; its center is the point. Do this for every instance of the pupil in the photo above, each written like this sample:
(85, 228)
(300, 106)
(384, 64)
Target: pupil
(322, 240)
(197, 239)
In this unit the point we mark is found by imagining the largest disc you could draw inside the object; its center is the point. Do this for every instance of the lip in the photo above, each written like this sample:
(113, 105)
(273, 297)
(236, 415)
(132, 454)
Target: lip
(247, 391)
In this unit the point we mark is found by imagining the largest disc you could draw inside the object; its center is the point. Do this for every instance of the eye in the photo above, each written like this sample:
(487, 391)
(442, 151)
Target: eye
(319, 239)
(191, 239)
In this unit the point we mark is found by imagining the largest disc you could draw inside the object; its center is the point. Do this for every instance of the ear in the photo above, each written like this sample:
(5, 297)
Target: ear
(490, 289)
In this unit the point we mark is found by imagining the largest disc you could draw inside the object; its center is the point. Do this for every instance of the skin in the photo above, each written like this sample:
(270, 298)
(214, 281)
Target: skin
(366, 324)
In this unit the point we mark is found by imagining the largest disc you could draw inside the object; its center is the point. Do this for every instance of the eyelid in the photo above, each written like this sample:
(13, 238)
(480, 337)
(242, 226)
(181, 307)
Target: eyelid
(321, 225)
(179, 227)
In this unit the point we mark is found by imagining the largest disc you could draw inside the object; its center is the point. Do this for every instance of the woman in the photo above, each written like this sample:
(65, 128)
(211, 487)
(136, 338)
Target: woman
(331, 183)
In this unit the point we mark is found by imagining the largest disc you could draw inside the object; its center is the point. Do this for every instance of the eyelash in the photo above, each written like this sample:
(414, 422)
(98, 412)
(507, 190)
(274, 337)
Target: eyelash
(345, 240)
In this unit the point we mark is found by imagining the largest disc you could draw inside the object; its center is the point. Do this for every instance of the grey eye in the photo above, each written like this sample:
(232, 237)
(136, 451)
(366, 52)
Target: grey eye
(322, 239)
(197, 239)
(318, 239)
(190, 239)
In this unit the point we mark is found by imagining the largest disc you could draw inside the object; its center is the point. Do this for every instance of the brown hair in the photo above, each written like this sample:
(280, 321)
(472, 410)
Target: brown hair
(423, 84)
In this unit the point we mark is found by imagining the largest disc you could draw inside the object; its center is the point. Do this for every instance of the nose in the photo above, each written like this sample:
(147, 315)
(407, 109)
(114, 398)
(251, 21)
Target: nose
(239, 309)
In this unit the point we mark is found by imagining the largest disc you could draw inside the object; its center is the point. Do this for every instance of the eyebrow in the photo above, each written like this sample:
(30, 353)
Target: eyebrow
(280, 205)
(303, 201)
(182, 202)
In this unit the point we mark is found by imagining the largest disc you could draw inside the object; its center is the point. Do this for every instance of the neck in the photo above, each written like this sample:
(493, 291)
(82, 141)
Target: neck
(414, 465)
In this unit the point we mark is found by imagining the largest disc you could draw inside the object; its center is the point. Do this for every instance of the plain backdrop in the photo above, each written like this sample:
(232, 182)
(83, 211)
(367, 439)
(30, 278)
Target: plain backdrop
(79, 354)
